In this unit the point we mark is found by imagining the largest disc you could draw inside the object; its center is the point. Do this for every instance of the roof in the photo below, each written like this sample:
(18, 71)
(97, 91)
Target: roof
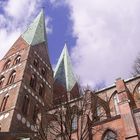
(63, 72)
(36, 32)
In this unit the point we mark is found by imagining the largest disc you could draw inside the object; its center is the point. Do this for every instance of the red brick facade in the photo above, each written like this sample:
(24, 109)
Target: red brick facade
(12, 118)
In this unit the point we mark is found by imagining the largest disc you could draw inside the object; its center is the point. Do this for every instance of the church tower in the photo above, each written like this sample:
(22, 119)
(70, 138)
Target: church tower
(65, 84)
(26, 79)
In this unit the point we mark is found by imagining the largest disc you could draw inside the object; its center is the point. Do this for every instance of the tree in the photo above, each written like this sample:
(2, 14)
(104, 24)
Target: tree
(65, 120)
(76, 117)
(136, 66)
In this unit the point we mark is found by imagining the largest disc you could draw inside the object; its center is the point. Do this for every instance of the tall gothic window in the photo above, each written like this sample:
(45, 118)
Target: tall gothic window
(25, 104)
(115, 98)
(41, 90)
(109, 135)
(36, 63)
(1, 81)
(7, 65)
(4, 102)
(17, 60)
(33, 81)
(74, 123)
(35, 113)
(11, 77)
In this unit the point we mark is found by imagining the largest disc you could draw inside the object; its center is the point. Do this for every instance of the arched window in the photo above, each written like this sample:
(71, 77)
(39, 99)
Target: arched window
(1, 81)
(17, 60)
(113, 104)
(33, 81)
(74, 123)
(35, 113)
(36, 63)
(136, 95)
(43, 71)
(11, 77)
(109, 135)
(4, 102)
(7, 65)
(41, 90)
(25, 104)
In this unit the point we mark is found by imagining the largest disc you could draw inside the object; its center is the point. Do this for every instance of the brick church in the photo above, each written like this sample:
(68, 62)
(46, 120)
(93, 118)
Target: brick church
(37, 103)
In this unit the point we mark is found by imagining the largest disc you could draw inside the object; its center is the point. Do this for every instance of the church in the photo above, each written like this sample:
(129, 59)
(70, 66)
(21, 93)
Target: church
(37, 103)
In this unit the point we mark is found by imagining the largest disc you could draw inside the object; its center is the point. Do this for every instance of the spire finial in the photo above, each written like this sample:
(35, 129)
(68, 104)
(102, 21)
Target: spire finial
(36, 32)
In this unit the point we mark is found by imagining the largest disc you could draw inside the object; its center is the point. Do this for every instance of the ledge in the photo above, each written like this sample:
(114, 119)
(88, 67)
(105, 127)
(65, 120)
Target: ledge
(106, 120)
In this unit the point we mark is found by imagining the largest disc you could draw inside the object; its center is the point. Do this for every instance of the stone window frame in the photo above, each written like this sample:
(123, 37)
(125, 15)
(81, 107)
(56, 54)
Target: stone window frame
(36, 62)
(2, 78)
(25, 105)
(12, 77)
(41, 90)
(115, 99)
(35, 113)
(33, 81)
(7, 64)
(17, 60)
(4, 102)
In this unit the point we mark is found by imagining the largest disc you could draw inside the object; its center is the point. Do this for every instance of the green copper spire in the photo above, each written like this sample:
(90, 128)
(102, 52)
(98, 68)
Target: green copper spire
(36, 32)
(63, 72)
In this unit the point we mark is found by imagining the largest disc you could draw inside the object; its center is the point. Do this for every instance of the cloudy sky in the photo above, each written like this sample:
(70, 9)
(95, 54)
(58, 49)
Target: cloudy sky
(103, 36)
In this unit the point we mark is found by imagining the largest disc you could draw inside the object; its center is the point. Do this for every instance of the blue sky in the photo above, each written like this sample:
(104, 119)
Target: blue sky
(62, 30)
(102, 35)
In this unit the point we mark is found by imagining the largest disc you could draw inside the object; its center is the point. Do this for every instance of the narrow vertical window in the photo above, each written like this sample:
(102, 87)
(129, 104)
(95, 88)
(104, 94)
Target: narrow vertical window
(12, 78)
(1, 81)
(43, 71)
(4, 102)
(36, 63)
(74, 123)
(25, 104)
(17, 60)
(33, 81)
(7, 65)
(35, 113)
(116, 104)
(41, 90)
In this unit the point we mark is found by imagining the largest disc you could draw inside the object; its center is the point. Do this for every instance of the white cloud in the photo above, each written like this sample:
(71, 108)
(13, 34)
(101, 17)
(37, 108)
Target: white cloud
(20, 10)
(16, 15)
(49, 27)
(108, 41)
(7, 39)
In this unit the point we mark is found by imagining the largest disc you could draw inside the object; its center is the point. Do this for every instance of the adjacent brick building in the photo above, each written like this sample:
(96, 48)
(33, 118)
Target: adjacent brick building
(32, 97)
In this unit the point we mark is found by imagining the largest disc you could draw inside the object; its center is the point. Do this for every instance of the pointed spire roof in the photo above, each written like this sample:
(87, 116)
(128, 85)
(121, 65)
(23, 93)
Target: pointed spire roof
(36, 32)
(63, 72)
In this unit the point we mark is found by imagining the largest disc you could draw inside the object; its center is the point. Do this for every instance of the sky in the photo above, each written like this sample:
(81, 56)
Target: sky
(103, 36)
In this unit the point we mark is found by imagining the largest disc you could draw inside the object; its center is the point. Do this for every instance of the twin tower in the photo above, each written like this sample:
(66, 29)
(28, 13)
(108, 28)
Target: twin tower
(28, 85)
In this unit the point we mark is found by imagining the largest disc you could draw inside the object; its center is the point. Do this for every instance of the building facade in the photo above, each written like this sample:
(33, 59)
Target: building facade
(37, 103)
